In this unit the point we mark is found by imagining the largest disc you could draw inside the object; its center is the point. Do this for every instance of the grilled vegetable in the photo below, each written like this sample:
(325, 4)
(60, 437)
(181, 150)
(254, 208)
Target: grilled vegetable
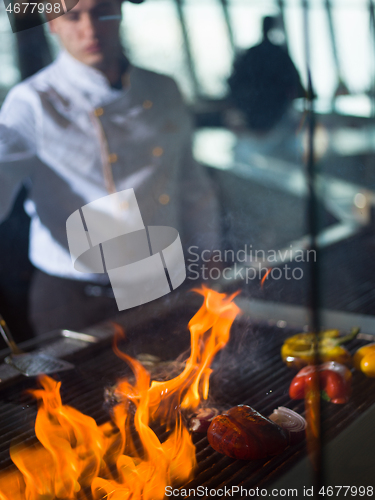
(293, 423)
(364, 360)
(245, 434)
(202, 419)
(335, 382)
(298, 350)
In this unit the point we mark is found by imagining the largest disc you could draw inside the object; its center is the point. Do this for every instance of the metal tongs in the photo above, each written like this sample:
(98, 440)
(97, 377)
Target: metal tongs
(30, 364)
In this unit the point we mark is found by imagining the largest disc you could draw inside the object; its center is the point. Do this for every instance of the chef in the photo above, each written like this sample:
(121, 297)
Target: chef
(90, 125)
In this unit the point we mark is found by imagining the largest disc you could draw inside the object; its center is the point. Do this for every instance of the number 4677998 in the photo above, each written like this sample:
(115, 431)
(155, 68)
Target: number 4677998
(39, 7)
(350, 491)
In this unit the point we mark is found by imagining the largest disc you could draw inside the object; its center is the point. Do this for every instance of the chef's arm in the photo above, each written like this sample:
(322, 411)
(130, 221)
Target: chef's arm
(17, 149)
(14, 167)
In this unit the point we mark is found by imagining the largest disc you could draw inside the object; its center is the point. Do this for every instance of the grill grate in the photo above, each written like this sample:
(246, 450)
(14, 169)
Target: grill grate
(346, 278)
(248, 371)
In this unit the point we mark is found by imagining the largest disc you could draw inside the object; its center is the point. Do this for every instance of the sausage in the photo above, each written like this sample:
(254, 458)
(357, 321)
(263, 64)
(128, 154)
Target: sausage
(245, 434)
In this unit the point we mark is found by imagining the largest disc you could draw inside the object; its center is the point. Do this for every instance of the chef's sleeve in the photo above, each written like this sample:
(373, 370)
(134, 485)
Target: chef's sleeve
(17, 148)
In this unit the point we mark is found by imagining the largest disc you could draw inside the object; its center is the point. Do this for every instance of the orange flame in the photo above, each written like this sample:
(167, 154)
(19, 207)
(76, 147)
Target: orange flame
(75, 455)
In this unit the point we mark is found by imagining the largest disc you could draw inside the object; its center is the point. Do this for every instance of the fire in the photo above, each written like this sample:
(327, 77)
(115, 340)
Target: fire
(77, 459)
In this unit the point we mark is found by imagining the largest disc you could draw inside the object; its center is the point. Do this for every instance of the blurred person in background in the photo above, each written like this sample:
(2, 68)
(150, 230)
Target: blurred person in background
(88, 125)
(263, 84)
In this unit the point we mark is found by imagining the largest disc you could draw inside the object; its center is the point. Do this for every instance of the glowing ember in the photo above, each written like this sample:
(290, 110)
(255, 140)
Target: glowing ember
(76, 455)
(265, 277)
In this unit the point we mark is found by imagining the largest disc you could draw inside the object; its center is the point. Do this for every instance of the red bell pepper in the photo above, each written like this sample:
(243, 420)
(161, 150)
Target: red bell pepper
(335, 382)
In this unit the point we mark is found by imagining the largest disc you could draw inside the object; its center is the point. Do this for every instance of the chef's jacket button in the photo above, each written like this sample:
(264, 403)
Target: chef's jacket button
(112, 158)
(164, 199)
(147, 104)
(158, 151)
(99, 111)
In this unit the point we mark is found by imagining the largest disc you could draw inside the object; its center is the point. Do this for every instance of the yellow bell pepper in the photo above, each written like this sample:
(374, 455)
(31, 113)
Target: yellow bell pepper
(364, 360)
(298, 350)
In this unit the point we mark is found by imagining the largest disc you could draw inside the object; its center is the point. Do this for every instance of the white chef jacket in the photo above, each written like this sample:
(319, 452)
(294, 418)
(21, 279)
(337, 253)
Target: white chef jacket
(75, 138)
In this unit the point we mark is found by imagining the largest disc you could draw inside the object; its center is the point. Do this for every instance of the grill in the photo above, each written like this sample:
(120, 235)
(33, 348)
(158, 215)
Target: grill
(248, 371)
(346, 278)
